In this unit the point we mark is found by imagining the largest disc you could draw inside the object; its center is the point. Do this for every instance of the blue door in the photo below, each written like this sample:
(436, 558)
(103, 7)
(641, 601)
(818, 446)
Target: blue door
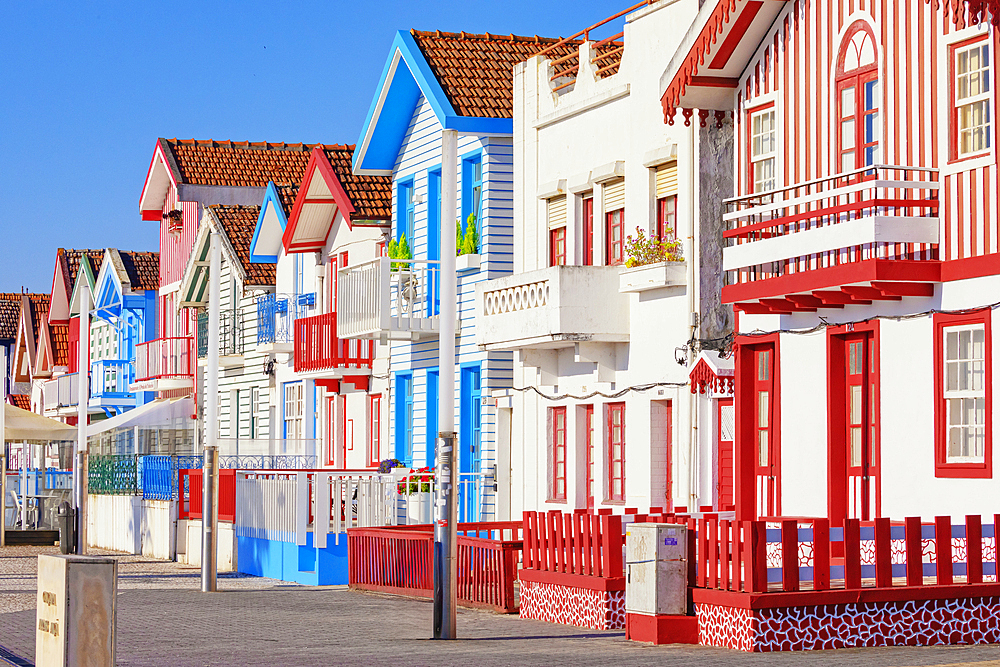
(404, 418)
(470, 439)
(432, 416)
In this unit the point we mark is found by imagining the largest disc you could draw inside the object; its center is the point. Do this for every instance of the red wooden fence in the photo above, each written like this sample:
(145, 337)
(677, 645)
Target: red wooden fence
(400, 559)
(574, 544)
(318, 348)
(189, 487)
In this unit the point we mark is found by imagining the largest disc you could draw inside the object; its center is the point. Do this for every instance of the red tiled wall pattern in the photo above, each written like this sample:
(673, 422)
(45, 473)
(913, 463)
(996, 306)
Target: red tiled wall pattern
(584, 608)
(913, 623)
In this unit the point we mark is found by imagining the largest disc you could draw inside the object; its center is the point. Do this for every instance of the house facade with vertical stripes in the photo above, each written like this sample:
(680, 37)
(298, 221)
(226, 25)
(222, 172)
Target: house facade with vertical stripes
(861, 249)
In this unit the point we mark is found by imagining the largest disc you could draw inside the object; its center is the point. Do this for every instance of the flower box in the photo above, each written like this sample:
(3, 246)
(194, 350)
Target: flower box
(652, 276)
(468, 262)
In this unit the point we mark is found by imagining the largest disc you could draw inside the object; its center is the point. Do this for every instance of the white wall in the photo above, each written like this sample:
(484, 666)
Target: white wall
(132, 525)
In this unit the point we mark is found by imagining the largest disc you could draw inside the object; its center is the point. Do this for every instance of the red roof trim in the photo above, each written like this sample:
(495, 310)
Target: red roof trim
(736, 33)
(318, 163)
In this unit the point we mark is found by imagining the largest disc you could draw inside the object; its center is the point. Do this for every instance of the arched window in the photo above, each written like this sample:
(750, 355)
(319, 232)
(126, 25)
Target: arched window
(859, 123)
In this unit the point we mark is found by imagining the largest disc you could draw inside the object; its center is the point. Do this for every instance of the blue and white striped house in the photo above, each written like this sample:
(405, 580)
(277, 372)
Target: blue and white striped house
(433, 82)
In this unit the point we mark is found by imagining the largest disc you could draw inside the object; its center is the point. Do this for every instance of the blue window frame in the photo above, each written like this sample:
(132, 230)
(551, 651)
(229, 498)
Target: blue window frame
(405, 210)
(404, 418)
(432, 415)
(434, 237)
(472, 189)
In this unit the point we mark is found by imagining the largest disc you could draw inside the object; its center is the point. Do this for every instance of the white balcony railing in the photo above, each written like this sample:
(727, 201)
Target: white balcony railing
(557, 306)
(389, 297)
(877, 212)
(61, 392)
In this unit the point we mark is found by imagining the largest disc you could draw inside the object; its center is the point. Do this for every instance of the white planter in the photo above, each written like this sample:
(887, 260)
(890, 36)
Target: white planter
(418, 507)
(467, 262)
(652, 276)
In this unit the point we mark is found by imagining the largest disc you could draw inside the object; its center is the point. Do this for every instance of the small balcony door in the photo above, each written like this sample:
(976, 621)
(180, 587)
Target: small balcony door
(859, 126)
(470, 440)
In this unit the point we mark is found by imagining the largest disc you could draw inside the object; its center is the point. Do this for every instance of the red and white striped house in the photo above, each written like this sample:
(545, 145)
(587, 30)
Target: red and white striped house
(861, 249)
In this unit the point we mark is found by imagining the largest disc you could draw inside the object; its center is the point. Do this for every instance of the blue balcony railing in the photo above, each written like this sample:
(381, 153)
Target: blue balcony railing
(276, 315)
(110, 378)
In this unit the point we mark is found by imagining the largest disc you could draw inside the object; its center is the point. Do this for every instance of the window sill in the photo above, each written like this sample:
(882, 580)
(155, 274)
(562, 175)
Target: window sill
(557, 501)
(963, 471)
(963, 164)
(613, 502)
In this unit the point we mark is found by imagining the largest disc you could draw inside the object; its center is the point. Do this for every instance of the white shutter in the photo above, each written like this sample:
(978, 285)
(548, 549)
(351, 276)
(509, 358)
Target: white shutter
(557, 212)
(666, 180)
(614, 195)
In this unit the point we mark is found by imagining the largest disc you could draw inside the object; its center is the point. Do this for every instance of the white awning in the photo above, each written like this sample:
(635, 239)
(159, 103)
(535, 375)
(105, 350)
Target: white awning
(161, 413)
(22, 425)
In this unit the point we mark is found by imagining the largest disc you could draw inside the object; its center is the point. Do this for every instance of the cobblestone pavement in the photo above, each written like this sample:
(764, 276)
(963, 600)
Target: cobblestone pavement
(163, 619)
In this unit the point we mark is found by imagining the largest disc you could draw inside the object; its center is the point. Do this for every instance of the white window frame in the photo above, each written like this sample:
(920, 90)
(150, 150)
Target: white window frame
(985, 96)
(294, 409)
(952, 396)
(763, 157)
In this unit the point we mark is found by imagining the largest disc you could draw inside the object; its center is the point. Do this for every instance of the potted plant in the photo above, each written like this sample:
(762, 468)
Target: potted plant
(651, 263)
(467, 245)
(416, 493)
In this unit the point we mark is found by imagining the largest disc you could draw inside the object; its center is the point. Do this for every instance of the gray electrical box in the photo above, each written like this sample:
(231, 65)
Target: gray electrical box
(76, 611)
(656, 569)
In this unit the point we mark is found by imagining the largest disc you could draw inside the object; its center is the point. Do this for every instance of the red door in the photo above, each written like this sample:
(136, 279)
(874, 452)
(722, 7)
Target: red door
(336, 431)
(765, 443)
(726, 472)
(861, 425)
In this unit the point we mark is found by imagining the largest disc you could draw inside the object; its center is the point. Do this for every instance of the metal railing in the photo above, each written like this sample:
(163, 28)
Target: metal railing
(276, 315)
(60, 392)
(230, 334)
(165, 358)
(387, 297)
(110, 378)
(883, 191)
(113, 474)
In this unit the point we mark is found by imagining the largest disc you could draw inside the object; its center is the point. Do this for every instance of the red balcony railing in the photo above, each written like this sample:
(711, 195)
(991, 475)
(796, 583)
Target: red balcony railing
(874, 213)
(165, 358)
(317, 347)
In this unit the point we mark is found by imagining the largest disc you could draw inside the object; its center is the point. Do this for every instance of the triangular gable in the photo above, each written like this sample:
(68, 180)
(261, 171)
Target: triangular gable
(24, 349)
(712, 373)
(44, 357)
(194, 284)
(706, 68)
(59, 296)
(321, 196)
(159, 179)
(86, 273)
(270, 229)
(109, 290)
(405, 77)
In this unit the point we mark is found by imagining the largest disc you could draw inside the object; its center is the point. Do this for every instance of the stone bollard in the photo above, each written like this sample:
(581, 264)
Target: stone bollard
(76, 611)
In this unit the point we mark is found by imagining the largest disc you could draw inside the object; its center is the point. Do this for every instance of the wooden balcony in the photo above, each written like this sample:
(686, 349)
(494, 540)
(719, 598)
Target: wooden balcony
(865, 235)
(165, 364)
(319, 350)
(109, 384)
(389, 299)
(61, 395)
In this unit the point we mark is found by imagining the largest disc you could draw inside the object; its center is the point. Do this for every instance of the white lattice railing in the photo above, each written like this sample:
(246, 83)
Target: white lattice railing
(516, 298)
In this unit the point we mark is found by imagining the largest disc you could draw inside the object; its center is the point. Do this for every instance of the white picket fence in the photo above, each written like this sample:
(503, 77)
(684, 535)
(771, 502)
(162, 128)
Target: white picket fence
(286, 506)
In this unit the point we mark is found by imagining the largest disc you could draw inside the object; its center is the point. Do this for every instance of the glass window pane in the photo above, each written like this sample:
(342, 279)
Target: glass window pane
(847, 102)
(762, 449)
(847, 134)
(762, 409)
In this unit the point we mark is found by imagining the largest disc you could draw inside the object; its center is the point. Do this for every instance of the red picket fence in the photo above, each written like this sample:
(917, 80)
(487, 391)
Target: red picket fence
(574, 544)
(753, 558)
(318, 348)
(189, 494)
(400, 560)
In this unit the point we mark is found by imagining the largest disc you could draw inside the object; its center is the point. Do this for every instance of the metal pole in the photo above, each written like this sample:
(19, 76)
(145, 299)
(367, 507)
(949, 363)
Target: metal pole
(210, 469)
(83, 399)
(445, 508)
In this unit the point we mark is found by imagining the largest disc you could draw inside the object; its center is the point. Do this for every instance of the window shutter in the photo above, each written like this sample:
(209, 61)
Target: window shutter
(666, 180)
(614, 195)
(557, 212)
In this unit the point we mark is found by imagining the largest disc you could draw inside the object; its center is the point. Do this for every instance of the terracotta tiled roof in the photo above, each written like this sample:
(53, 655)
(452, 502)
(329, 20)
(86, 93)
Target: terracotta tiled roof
(143, 269)
(70, 261)
(22, 401)
(370, 195)
(238, 222)
(237, 163)
(476, 71)
(288, 193)
(60, 344)
(10, 313)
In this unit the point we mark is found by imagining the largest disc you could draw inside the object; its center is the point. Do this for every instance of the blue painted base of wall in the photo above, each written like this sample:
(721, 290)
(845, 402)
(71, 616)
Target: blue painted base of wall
(287, 561)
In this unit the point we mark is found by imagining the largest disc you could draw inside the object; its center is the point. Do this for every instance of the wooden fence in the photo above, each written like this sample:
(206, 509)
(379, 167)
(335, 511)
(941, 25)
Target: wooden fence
(400, 560)
(575, 544)
(189, 487)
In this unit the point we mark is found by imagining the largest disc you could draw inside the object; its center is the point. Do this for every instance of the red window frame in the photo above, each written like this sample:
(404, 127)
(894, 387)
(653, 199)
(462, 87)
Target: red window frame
(557, 247)
(942, 468)
(953, 49)
(557, 417)
(616, 452)
(616, 247)
(750, 113)
(747, 446)
(666, 218)
(588, 441)
(588, 231)
(374, 429)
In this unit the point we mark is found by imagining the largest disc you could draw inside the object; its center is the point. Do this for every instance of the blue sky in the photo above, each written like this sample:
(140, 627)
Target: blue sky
(88, 87)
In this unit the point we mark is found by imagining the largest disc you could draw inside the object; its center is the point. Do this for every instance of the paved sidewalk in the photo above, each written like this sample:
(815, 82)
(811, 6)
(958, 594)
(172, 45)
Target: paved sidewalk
(163, 619)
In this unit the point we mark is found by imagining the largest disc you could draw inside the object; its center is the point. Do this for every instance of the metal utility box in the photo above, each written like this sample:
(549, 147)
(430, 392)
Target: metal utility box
(656, 569)
(76, 611)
